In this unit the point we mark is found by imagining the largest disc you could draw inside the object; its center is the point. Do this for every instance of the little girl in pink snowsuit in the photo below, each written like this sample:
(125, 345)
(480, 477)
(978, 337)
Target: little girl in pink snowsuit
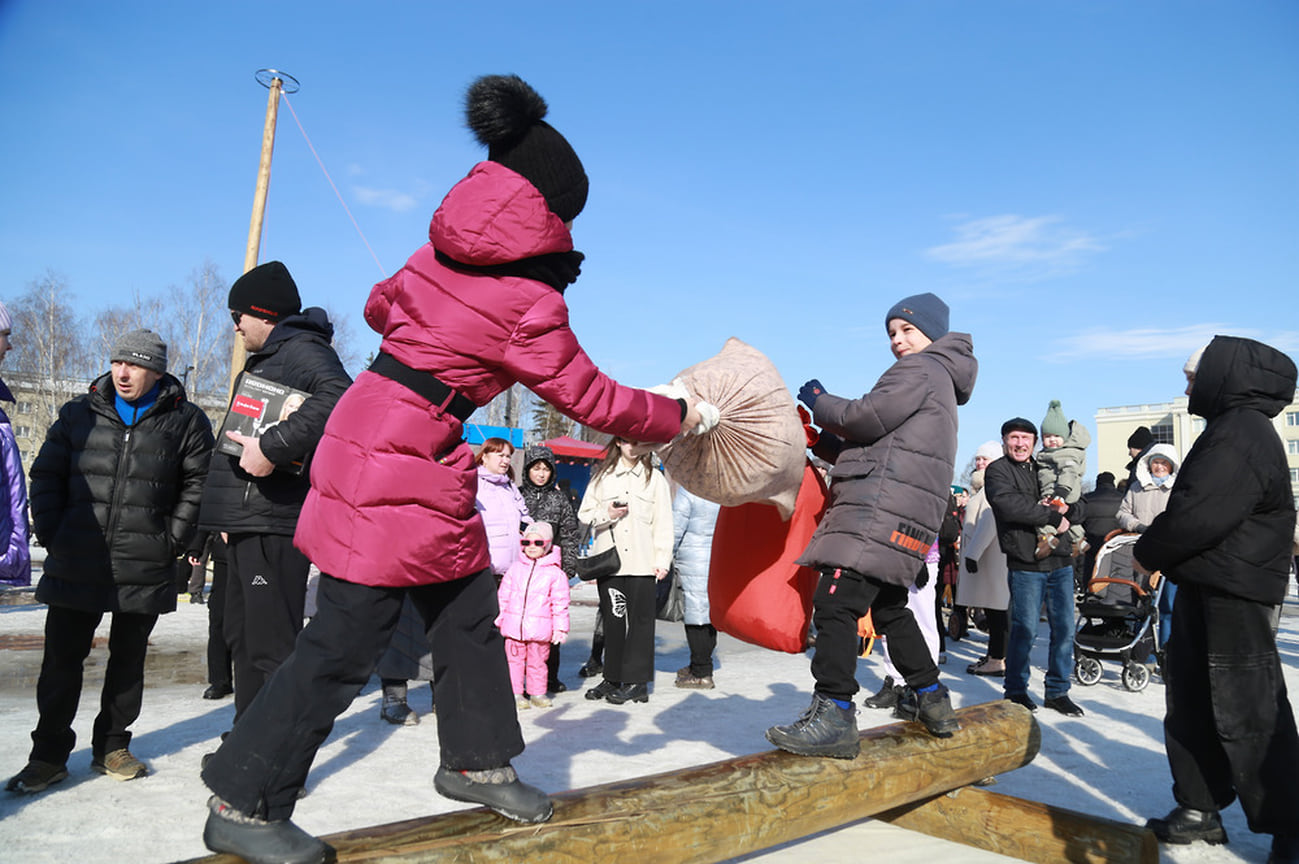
(534, 613)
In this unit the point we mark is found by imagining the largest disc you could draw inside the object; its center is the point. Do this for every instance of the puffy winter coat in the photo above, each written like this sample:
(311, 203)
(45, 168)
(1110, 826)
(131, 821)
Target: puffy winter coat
(644, 535)
(892, 479)
(1230, 518)
(1016, 501)
(297, 354)
(15, 554)
(1102, 510)
(1146, 499)
(987, 586)
(1061, 470)
(115, 506)
(393, 485)
(499, 503)
(534, 598)
(693, 521)
(551, 504)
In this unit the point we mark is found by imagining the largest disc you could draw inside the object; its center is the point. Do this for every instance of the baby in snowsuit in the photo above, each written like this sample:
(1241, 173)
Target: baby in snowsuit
(534, 613)
(1061, 466)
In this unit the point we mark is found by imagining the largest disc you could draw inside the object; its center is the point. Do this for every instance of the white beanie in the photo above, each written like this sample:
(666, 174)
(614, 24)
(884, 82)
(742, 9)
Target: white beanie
(989, 450)
(6, 323)
(1193, 362)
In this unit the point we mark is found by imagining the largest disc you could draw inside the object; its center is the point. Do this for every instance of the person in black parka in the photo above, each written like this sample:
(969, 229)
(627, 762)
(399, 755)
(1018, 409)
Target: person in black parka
(1225, 540)
(114, 495)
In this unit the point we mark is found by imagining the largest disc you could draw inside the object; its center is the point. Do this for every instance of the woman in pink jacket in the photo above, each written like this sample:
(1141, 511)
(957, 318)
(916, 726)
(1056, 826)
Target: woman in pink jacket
(499, 502)
(391, 508)
(534, 613)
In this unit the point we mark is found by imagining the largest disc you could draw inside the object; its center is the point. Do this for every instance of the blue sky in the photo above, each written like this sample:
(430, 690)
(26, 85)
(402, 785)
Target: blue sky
(1095, 188)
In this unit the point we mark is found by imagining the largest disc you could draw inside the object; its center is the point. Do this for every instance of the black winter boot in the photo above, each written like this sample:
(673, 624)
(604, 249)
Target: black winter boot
(260, 841)
(1186, 825)
(394, 708)
(934, 709)
(825, 729)
(887, 696)
(499, 789)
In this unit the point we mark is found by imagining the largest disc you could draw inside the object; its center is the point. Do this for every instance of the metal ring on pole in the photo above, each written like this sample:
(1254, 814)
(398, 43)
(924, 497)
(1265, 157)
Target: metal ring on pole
(289, 84)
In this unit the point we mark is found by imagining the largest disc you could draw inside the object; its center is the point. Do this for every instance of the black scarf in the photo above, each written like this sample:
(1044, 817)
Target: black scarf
(557, 269)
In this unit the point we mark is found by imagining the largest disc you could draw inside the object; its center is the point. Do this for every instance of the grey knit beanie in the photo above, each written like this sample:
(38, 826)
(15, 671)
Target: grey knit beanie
(142, 348)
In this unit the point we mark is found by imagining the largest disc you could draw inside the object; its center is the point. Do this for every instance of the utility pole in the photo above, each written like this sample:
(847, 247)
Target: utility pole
(277, 82)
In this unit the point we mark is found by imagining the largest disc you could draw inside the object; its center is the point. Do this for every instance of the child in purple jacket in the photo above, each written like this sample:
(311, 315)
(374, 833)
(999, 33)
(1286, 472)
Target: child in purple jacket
(534, 613)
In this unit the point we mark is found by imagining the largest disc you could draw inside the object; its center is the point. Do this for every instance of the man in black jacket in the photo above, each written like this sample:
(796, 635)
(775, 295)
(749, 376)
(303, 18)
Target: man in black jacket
(1225, 540)
(1102, 518)
(114, 495)
(254, 499)
(1018, 505)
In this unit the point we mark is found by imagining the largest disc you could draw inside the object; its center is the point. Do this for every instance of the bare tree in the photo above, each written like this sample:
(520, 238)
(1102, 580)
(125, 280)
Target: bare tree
(548, 422)
(52, 347)
(198, 330)
(345, 342)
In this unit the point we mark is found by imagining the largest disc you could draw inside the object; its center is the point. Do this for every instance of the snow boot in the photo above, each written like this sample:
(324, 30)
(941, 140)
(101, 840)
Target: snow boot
(1186, 825)
(887, 696)
(394, 708)
(499, 789)
(261, 841)
(36, 776)
(825, 729)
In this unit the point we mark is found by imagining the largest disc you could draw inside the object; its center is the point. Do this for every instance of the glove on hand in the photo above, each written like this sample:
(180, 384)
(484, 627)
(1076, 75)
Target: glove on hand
(708, 417)
(808, 393)
(922, 578)
(971, 566)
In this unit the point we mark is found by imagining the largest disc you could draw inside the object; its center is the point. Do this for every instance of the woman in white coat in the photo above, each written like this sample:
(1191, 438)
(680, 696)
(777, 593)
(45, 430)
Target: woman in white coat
(983, 580)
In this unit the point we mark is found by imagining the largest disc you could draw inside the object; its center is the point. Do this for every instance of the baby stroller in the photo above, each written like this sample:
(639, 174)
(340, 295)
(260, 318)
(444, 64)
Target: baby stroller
(1118, 617)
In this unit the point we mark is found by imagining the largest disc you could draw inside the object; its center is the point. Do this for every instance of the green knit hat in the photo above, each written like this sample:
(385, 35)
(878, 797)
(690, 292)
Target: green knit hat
(1055, 423)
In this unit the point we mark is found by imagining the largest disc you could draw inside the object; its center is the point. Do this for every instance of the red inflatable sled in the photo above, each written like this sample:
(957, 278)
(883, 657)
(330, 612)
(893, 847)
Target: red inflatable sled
(755, 590)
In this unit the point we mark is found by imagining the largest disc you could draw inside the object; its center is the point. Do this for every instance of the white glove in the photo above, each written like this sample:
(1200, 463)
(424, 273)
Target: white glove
(708, 418)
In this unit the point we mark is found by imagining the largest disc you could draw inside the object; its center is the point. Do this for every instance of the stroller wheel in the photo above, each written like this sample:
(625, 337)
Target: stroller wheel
(1087, 670)
(1135, 676)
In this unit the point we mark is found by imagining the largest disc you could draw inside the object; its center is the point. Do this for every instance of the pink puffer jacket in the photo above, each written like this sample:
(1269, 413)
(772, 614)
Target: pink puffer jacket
(534, 599)
(392, 483)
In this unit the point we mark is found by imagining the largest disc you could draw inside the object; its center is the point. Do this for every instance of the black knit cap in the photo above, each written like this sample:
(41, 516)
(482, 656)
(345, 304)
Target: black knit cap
(267, 291)
(1140, 439)
(506, 114)
(1018, 424)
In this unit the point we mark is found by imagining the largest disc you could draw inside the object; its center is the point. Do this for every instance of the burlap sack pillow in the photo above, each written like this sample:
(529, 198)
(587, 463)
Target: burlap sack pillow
(756, 451)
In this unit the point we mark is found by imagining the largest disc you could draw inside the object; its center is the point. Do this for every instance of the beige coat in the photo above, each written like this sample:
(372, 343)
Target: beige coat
(989, 588)
(644, 536)
(1146, 500)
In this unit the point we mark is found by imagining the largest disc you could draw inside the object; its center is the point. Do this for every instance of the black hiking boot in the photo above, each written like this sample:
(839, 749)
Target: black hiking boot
(1186, 825)
(825, 729)
(934, 709)
(261, 841)
(887, 696)
(499, 789)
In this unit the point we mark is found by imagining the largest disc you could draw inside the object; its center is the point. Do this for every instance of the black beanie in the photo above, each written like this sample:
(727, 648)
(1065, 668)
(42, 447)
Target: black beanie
(1018, 424)
(506, 114)
(267, 291)
(1140, 439)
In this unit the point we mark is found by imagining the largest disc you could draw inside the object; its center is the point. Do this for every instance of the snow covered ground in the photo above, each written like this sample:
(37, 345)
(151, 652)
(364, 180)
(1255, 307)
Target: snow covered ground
(1109, 763)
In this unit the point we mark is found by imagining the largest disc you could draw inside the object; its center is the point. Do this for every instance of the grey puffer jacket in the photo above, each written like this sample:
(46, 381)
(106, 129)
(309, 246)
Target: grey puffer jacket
(893, 474)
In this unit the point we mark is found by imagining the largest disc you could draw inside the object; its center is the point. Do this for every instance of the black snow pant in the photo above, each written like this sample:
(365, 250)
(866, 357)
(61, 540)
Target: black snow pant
(627, 609)
(219, 671)
(1229, 729)
(263, 764)
(842, 597)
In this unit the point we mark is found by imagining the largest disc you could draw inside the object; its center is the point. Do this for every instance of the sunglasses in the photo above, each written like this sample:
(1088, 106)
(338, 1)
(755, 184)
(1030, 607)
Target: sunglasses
(235, 316)
(526, 543)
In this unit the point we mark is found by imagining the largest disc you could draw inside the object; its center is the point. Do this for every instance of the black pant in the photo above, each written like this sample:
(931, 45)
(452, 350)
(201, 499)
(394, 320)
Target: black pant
(842, 597)
(68, 637)
(702, 641)
(266, 595)
(997, 622)
(262, 766)
(627, 608)
(218, 649)
(1229, 729)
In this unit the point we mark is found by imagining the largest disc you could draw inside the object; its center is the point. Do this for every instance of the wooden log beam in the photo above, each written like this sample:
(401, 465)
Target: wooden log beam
(1024, 829)
(712, 812)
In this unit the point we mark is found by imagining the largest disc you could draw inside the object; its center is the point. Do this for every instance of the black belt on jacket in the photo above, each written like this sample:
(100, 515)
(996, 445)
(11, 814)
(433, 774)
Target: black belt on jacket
(425, 384)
